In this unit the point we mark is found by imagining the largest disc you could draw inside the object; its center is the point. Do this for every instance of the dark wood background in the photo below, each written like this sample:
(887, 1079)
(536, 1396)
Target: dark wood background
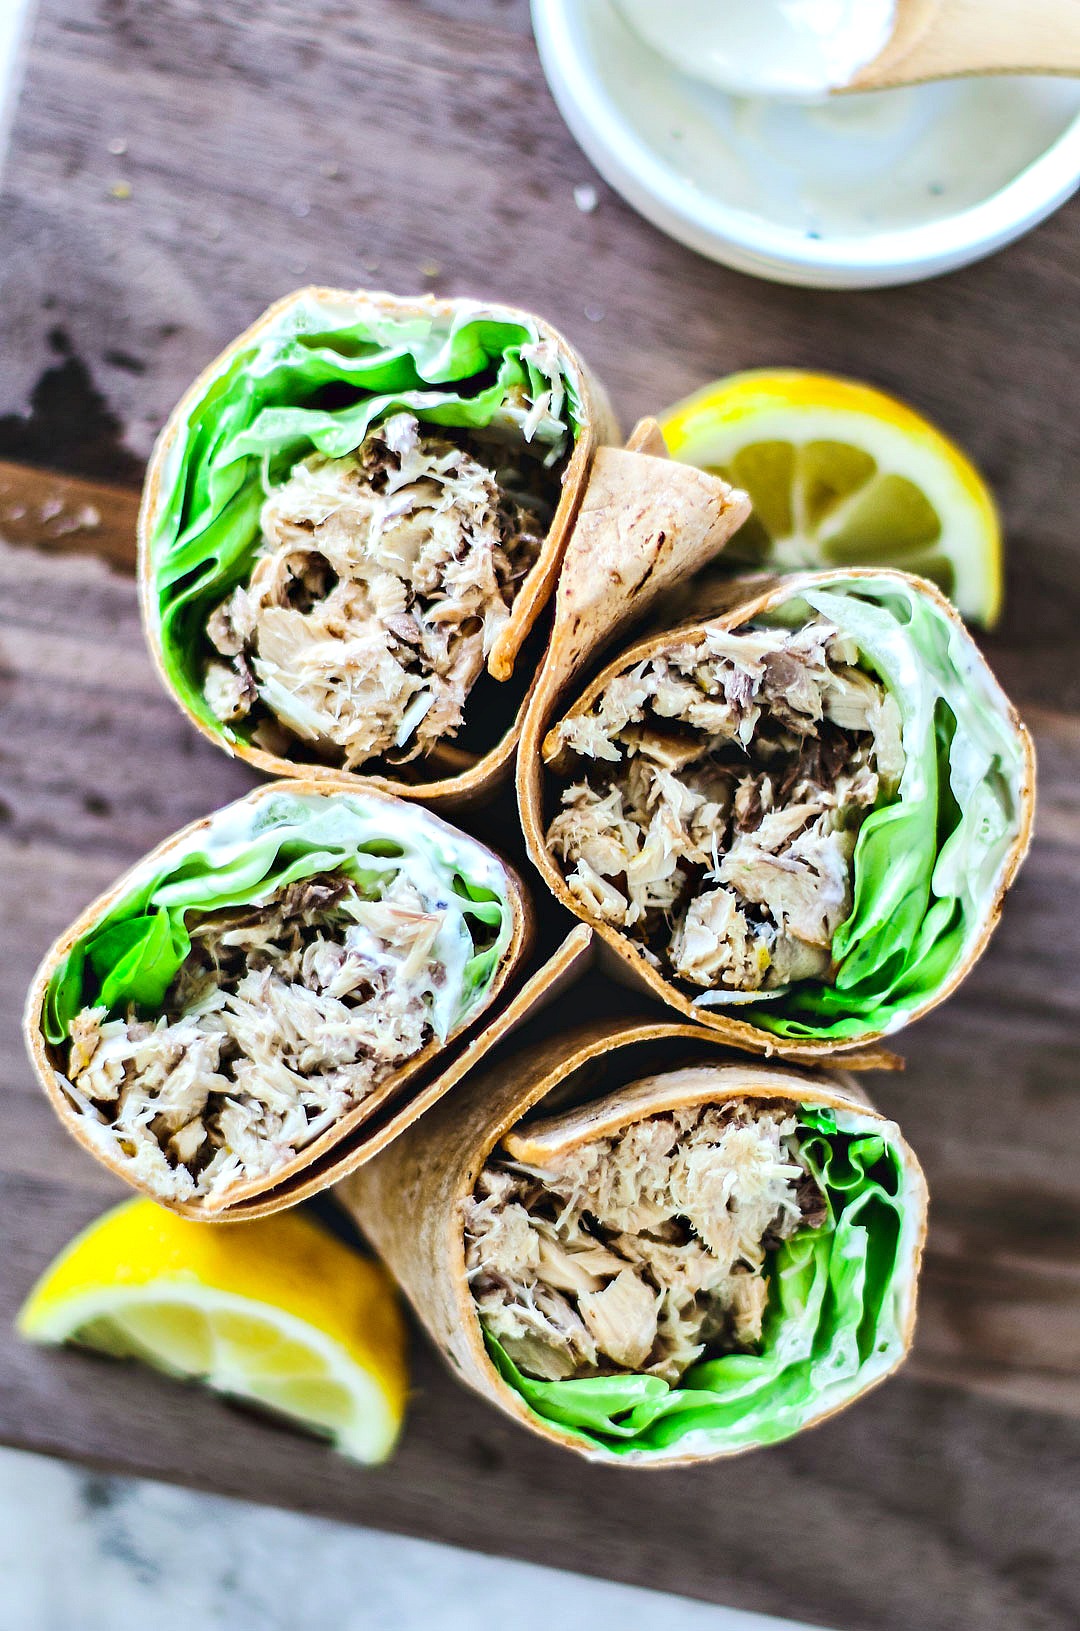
(175, 167)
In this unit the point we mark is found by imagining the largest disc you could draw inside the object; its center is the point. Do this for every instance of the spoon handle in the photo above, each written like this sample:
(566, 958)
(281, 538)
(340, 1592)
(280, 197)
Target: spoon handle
(936, 39)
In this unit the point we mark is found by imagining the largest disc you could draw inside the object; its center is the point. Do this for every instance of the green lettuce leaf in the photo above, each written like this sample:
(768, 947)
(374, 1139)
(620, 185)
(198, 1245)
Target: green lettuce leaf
(838, 1303)
(927, 864)
(256, 846)
(316, 378)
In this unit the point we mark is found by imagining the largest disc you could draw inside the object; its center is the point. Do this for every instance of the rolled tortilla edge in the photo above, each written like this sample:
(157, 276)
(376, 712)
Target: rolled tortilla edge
(482, 779)
(409, 1202)
(38, 1049)
(625, 959)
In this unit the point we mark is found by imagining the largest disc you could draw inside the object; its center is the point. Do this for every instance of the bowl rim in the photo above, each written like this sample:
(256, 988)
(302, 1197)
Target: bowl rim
(753, 244)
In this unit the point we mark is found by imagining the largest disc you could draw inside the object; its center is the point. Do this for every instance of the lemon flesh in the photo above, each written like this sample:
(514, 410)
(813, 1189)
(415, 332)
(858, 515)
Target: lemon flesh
(276, 1312)
(841, 474)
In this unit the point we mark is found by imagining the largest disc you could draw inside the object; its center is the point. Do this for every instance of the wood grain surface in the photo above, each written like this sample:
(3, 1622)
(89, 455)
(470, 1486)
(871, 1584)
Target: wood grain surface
(176, 167)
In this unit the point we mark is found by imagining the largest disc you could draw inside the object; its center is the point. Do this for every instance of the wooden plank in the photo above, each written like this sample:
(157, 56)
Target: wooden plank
(924, 1508)
(1000, 1303)
(844, 1526)
(166, 181)
(46, 510)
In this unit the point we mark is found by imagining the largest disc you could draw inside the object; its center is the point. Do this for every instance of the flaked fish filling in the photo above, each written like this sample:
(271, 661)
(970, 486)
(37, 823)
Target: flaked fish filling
(381, 584)
(718, 796)
(283, 1017)
(640, 1252)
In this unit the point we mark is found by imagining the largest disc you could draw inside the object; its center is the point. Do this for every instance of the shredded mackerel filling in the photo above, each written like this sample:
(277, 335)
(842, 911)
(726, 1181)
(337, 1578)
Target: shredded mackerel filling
(724, 785)
(643, 1251)
(283, 1017)
(381, 584)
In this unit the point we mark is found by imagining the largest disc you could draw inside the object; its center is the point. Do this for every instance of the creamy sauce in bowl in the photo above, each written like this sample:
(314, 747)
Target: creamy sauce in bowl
(861, 164)
(844, 191)
(799, 48)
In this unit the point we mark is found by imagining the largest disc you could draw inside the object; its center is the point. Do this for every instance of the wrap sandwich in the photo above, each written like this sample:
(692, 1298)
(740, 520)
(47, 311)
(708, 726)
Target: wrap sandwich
(792, 815)
(351, 523)
(647, 1253)
(222, 1025)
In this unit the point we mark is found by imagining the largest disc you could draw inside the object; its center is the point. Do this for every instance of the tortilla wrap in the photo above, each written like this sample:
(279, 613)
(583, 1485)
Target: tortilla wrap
(227, 1025)
(356, 517)
(790, 909)
(414, 1200)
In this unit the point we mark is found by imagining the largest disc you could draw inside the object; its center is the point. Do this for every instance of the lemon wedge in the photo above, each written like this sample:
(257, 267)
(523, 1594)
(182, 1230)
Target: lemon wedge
(841, 474)
(276, 1312)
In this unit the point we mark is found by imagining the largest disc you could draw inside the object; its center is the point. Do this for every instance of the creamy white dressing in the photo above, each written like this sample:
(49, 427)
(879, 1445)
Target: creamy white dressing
(795, 48)
(855, 166)
(432, 853)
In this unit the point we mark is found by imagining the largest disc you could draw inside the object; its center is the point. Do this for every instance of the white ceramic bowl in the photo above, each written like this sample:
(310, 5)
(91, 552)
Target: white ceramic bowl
(626, 106)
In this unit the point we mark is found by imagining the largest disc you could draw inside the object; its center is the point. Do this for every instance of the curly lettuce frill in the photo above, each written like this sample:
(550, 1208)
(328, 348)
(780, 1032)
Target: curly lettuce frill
(839, 1299)
(250, 850)
(315, 378)
(927, 864)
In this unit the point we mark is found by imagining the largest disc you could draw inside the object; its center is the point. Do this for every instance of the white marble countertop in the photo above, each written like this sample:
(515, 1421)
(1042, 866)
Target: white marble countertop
(14, 20)
(80, 1551)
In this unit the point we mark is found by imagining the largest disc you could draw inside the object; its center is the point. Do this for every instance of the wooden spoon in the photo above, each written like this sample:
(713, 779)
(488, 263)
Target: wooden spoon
(939, 39)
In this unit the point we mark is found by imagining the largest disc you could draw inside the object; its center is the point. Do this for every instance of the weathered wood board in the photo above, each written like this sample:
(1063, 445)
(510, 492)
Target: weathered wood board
(412, 143)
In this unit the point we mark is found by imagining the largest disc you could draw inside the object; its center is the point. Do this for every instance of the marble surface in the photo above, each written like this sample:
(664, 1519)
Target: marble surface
(80, 1551)
(14, 22)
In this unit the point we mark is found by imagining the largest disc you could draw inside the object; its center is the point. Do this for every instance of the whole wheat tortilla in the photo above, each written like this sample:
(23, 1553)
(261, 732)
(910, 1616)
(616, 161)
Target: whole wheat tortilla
(725, 604)
(410, 1199)
(595, 477)
(392, 1104)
